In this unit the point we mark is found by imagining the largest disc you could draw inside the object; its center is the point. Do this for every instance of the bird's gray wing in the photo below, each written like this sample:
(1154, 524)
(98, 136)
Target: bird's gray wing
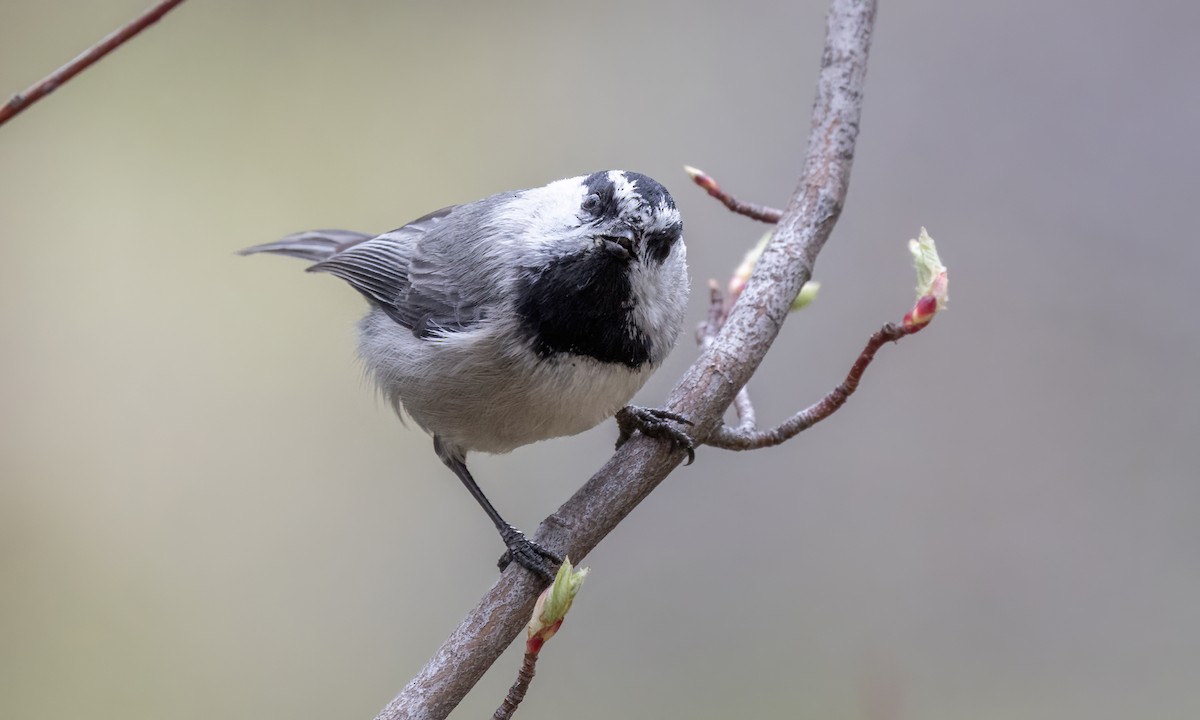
(413, 273)
(314, 245)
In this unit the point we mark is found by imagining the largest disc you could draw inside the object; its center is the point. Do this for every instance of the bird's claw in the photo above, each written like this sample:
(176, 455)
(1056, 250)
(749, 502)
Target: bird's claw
(655, 423)
(529, 555)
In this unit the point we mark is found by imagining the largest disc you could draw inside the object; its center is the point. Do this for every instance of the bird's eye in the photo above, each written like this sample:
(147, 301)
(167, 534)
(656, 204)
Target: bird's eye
(662, 237)
(621, 241)
(591, 202)
(659, 243)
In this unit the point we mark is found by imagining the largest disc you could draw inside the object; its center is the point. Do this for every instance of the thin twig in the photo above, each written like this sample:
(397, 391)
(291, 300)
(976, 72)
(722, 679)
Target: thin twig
(703, 393)
(520, 686)
(745, 412)
(743, 438)
(719, 305)
(761, 213)
(111, 42)
(548, 616)
(718, 310)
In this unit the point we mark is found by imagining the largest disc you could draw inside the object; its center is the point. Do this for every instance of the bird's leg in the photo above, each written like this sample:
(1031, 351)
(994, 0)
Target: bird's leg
(655, 423)
(528, 554)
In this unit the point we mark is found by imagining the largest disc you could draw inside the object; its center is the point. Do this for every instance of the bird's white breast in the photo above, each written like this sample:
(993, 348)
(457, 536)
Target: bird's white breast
(481, 390)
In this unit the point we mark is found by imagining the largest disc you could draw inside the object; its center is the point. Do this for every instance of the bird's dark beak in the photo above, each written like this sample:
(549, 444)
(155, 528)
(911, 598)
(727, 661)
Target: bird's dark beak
(620, 241)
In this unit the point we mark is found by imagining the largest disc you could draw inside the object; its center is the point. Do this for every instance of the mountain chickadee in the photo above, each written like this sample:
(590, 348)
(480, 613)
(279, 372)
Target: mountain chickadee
(523, 316)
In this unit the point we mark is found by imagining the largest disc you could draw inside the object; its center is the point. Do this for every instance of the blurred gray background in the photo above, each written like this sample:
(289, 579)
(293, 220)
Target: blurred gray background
(206, 513)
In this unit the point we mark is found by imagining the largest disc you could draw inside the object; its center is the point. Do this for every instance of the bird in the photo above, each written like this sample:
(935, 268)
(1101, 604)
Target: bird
(523, 316)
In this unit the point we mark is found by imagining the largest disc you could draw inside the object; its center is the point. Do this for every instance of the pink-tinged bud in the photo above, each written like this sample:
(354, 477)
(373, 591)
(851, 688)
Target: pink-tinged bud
(922, 312)
(552, 606)
(932, 281)
(741, 275)
(702, 179)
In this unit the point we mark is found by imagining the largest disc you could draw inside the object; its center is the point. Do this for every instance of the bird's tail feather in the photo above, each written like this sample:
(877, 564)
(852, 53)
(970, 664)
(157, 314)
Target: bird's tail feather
(315, 245)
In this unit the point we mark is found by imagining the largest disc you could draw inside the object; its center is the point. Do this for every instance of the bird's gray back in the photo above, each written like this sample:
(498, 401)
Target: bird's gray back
(440, 273)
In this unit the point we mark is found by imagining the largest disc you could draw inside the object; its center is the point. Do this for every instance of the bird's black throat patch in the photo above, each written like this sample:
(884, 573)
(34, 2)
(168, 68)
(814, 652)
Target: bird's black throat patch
(580, 305)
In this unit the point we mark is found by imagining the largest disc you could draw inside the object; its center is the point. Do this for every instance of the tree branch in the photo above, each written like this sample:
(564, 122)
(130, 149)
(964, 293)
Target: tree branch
(548, 615)
(761, 213)
(114, 40)
(516, 694)
(746, 437)
(718, 310)
(704, 392)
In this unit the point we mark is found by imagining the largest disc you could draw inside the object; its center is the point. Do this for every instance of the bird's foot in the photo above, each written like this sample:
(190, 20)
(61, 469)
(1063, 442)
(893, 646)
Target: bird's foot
(655, 423)
(529, 555)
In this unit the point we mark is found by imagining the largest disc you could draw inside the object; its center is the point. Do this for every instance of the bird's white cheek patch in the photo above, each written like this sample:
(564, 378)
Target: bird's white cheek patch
(543, 216)
(660, 296)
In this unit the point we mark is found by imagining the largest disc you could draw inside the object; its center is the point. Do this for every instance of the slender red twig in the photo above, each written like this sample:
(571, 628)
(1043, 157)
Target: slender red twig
(742, 438)
(747, 436)
(516, 693)
(762, 213)
(548, 615)
(114, 40)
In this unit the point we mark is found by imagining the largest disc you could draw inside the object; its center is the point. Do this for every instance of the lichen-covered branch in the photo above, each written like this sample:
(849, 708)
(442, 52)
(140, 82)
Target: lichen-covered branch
(702, 394)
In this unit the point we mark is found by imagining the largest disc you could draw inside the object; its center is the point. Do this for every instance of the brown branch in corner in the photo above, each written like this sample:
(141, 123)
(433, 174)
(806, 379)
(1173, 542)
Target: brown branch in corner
(114, 40)
(743, 438)
(762, 213)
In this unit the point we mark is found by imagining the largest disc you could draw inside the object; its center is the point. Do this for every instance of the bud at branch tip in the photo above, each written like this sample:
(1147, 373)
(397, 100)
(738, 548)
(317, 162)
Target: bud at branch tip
(932, 281)
(553, 604)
